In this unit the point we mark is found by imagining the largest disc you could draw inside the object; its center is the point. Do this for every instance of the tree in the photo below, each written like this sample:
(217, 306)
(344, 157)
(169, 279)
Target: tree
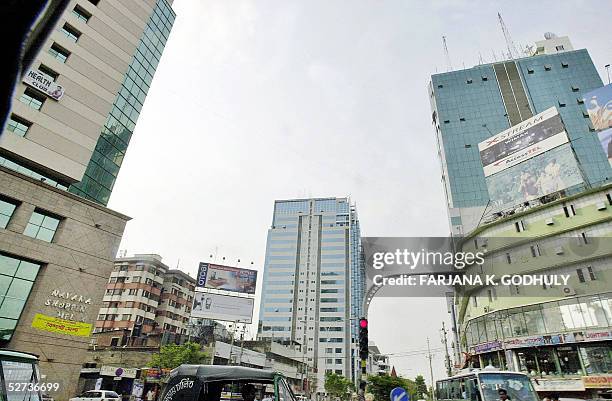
(381, 386)
(171, 355)
(421, 388)
(337, 385)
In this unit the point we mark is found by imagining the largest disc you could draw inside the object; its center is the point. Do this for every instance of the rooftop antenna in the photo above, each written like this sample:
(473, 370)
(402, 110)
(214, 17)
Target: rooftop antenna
(512, 52)
(480, 62)
(448, 59)
(494, 56)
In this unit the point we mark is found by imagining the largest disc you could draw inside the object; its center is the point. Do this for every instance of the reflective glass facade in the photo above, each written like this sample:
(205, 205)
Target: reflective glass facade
(16, 280)
(108, 155)
(471, 105)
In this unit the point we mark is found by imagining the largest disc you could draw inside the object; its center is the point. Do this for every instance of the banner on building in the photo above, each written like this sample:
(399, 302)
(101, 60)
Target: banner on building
(43, 83)
(227, 278)
(61, 326)
(129, 373)
(545, 174)
(532, 137)
(599, 381)
(222, 307)
(599, 106)
(605, 139)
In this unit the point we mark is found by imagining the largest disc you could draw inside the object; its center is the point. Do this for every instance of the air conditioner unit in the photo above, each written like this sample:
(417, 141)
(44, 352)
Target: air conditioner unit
(559, 250)
(550, 222)
(601, 206)
(568, 291)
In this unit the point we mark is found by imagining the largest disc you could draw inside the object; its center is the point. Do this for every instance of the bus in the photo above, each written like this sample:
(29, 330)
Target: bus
(484, 384)
(19, 376)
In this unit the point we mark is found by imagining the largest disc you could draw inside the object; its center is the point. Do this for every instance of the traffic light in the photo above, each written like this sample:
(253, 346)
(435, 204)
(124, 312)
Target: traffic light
(363, 338)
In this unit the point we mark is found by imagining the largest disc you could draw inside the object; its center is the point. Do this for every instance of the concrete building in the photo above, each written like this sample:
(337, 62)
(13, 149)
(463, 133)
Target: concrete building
(146, 297)
(313, 282)
(75, 112)
(471, 105)
(377, 363)
(56, 252)
(558, 333)
(60, 152)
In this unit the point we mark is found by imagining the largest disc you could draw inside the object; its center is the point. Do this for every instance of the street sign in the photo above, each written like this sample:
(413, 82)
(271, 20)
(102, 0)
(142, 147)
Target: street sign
(399, 394)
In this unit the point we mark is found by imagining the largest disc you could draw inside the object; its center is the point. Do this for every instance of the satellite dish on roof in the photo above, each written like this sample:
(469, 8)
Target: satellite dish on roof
(549, 35)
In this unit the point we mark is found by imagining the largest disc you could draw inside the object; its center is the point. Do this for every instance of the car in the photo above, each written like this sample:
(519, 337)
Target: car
(97, 395)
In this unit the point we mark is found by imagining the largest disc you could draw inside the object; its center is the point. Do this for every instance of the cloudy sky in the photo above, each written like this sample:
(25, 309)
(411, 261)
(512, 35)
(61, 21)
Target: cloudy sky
(261, 100)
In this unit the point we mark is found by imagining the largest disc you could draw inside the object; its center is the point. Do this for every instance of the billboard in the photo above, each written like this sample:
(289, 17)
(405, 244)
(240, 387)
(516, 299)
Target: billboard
(599, 106)
(605, 139)
(545, 174)
(222, 307)
(43, 83)
(227, 278)
(534, 136)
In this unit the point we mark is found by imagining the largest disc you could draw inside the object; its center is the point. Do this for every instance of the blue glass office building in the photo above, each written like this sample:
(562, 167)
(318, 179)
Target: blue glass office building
(313, 281)
(471, 105)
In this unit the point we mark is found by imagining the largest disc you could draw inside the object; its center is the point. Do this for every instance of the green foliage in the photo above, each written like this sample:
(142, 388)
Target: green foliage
(381, 386)
(337, 385)
(170, 356)
(421, 388)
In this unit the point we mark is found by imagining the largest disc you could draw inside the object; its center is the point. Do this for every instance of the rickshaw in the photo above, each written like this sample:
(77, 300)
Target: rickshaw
(211, 382)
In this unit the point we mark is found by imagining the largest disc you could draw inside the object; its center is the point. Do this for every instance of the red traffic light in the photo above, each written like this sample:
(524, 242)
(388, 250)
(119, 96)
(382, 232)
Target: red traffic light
(363, 323)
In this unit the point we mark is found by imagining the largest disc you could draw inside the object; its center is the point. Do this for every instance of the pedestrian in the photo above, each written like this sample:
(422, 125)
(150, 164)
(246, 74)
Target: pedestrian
(150, 395)
(503, 395)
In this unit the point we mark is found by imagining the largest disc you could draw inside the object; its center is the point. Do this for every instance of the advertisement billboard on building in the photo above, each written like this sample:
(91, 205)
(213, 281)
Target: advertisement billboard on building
(222, 307)
(605, 139)
(532, 137)
(43, 83)
(599, 106)
(545, 174)
(226, 278)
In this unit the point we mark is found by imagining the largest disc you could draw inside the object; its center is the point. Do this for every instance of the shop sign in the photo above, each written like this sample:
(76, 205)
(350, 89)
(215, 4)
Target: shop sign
(601, 381)
(566, 338)
(486, 347)
(535, 341)
(558, 385)
(128, 373)
(61, 326)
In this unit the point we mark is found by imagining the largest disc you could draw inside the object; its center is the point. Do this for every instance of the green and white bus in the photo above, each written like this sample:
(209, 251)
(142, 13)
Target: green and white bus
(484, 384)
(19, 376)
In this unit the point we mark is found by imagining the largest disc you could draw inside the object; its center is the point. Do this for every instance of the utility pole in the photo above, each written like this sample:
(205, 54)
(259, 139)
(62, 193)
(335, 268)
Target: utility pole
(449, 371)
(242, 343)
(229, 361)
(430, 357)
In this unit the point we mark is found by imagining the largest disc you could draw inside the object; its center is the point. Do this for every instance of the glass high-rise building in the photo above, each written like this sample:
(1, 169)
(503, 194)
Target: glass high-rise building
(313, 284)
(99, 62)
(473, 104)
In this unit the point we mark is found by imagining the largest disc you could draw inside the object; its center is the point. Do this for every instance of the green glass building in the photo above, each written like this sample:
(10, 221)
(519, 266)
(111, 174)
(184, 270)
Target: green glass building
(101, 173)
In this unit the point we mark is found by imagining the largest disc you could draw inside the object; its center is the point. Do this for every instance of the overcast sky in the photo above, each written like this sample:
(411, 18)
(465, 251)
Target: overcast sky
(261, 100)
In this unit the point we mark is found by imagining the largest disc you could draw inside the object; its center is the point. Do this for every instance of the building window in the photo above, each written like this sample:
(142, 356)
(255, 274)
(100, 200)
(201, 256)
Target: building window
(508, 258)
(94, 2)
(48, 72)
(569, 211)
(18, 125)
(59, 52)
(559, 48)
(580, 275)
(42, 226)
(592, 275)
(81, 13)
(535, 251)
(16, 280)
(71, 33)
(597, 359)
(32, 98)
(519, 226)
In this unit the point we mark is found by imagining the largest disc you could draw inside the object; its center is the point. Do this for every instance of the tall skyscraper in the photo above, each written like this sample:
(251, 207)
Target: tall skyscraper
(75, 112)
(473, 104)
(70, 123)
(313, 284)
